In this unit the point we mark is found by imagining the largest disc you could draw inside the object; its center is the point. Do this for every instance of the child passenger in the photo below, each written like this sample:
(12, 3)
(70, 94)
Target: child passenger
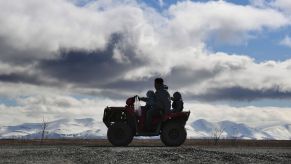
(178, 103)
(150, 99)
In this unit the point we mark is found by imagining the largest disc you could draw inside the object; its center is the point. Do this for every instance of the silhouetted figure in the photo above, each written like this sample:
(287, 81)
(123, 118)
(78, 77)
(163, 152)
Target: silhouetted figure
(178, 103)
(150, 100)
(162, 104)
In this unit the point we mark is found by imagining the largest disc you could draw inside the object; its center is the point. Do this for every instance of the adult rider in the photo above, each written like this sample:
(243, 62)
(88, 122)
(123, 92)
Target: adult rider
(162, 103)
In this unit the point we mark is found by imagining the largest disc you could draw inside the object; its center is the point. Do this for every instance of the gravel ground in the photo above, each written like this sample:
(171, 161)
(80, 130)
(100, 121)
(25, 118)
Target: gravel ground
(136, 154)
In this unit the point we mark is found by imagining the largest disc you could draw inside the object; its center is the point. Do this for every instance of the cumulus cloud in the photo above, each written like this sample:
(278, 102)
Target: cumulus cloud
(35, 108)
(259, 3)
(95, 68)
(38, 29)
(111, 48)
(286, 41)
(227, 22)
(282, 5)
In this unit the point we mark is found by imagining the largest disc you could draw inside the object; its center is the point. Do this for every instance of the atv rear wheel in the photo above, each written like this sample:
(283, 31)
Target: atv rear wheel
(173, 134)
(120, 134)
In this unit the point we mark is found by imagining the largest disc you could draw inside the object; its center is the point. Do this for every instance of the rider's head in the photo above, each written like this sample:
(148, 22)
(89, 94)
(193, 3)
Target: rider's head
(159, 82)
(177, 96)
(150, 94)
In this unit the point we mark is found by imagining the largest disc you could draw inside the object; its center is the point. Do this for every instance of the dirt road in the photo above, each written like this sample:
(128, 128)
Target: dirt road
(146, 152)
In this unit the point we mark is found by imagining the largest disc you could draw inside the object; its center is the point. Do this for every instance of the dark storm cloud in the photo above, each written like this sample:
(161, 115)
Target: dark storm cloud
(10, 53)
(17, 78)
(27, 79)
(85, 69)
(183, 77)
(91, 68)
(239, 93)
(179, 77)
(137, 85)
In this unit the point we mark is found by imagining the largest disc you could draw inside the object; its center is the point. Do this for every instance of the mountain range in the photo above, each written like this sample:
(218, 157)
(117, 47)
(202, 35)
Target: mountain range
(89, 128)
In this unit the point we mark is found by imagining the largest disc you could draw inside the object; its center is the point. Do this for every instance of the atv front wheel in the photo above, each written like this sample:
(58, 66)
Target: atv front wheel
(173, 134)
(120, 134)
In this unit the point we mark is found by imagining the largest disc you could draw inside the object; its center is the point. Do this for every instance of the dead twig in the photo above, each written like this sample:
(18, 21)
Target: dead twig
(43, 131)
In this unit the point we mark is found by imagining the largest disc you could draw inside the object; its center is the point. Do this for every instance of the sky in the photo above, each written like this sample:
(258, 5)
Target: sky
(72, 58)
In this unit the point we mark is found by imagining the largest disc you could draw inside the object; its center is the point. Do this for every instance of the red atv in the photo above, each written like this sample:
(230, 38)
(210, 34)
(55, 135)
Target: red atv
(124, 123)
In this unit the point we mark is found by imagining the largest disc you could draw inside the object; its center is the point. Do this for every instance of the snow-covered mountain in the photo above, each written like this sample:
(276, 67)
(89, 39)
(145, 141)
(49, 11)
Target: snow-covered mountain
(204, 129)
(63, 128)
(89, 128)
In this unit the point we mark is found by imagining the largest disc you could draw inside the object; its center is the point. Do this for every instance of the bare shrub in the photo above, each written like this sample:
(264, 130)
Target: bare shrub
(216, 135)
(43, 130)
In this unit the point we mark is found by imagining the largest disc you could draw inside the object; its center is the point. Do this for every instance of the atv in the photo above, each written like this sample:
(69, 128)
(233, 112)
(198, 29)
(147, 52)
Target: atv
(124, 123)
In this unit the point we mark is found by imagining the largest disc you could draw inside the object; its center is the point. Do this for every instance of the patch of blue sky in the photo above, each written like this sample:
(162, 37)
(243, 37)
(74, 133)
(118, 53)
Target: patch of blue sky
(82, 2)
(8, 101)
(159, 5)
(155, 4)
(164, 4)
(263, 47)
(239, 2)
